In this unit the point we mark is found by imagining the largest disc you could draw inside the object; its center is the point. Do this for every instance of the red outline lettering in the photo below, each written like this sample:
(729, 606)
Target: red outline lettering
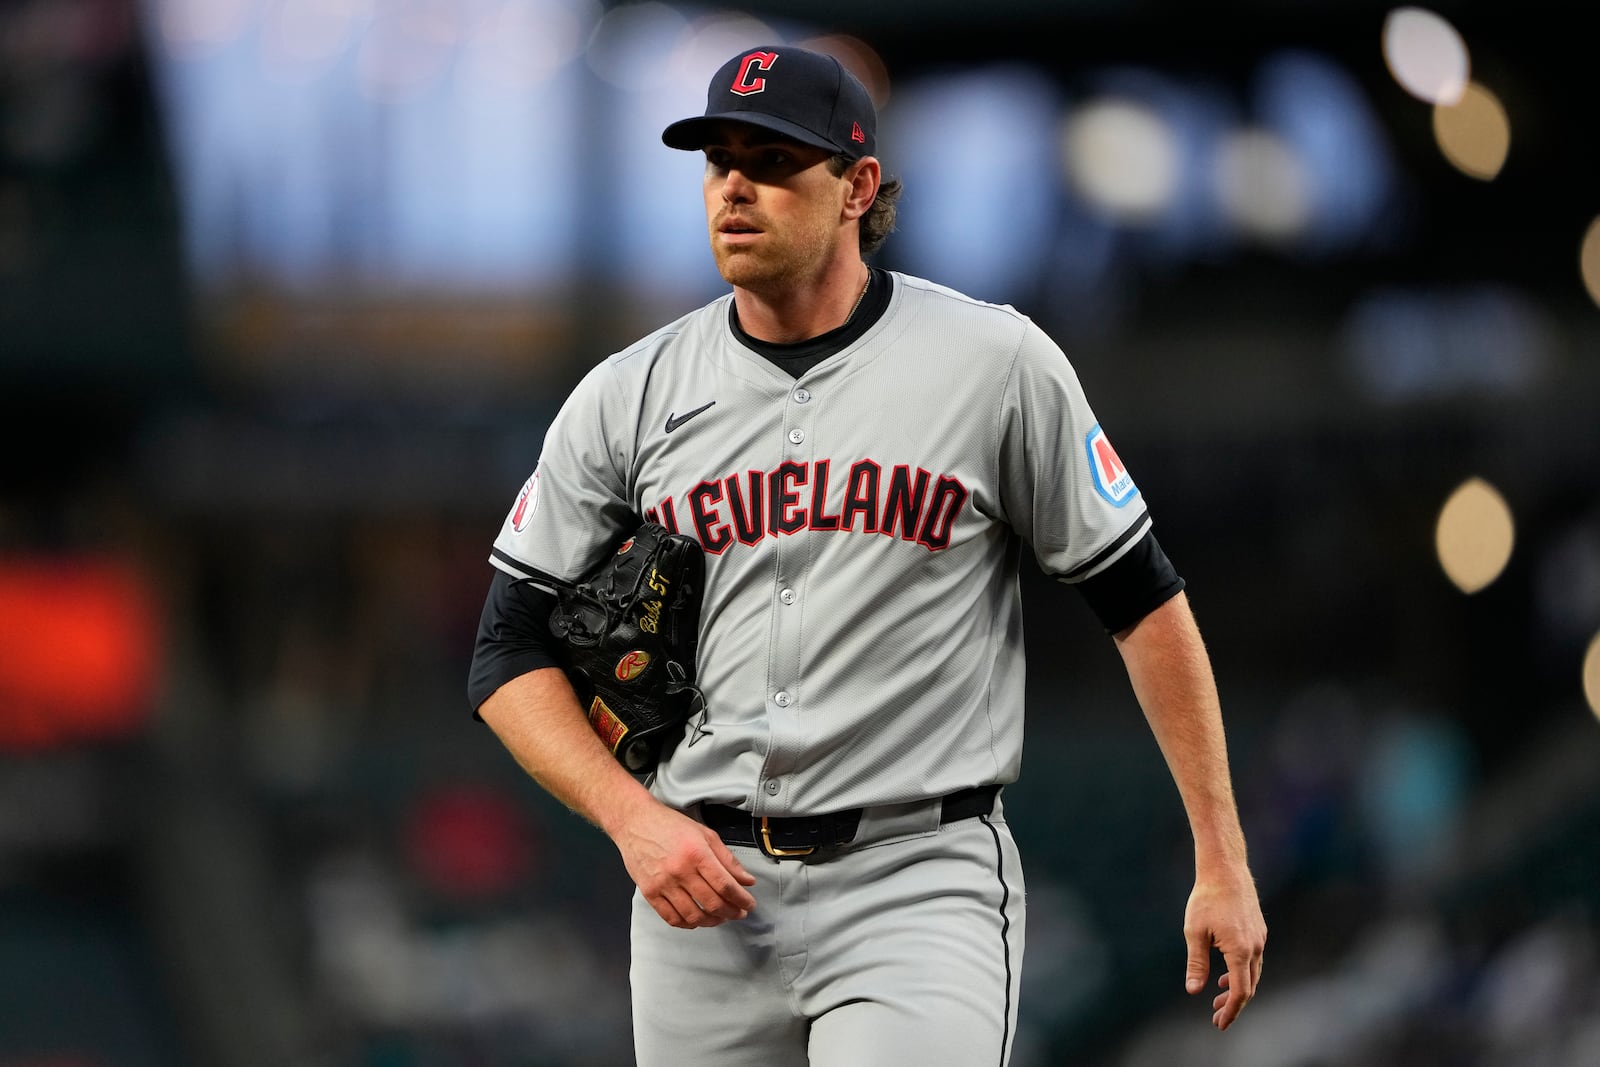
(948, 497)
(903, 503)
(782, 495)
(714, 534)
(747, 521)
(861, 495)
(820, 519)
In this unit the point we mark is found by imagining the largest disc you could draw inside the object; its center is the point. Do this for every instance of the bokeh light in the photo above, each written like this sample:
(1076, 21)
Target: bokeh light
(189, 26)
(1589, 260)
(1591, 676)
(1474, 535)
(83, 650)
(408, 48)
(1474, 133)
(522, 43)
(860, 59)
(1122, 158)
(952, 229)
(707, 43)
(625, 48)
(1325, 116)
(1426, 55)
(1263, 185)
(302, 37)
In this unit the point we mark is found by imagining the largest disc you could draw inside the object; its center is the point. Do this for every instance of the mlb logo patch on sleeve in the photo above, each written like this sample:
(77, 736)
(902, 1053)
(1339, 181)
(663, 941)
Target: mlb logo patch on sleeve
(1111, 478)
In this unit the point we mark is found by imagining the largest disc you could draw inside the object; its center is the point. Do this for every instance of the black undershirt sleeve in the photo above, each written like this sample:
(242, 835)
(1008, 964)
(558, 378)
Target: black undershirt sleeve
(513, 637)
(1140, 581)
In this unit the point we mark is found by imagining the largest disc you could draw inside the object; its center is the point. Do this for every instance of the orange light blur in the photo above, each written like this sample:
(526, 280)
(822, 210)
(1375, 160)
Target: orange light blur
(80, 652)
(1474, 535)
(1474, 133)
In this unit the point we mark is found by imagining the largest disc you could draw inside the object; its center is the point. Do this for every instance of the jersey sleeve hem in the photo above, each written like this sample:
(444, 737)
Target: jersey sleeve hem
(1111, 552)
(1135, 584)
(532, 575)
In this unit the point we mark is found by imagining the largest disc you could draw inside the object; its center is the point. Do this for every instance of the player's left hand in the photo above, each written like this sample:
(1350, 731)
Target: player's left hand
(1225, 914)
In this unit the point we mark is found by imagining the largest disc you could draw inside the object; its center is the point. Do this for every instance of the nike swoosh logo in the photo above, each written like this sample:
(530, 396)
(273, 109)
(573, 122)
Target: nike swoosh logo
(674, 421)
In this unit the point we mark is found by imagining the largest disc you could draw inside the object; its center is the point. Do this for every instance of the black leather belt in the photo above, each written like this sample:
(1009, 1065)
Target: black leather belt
(801, 835)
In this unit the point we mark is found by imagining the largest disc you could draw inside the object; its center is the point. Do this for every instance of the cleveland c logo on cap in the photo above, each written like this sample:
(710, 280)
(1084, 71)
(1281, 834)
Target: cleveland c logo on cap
(743, 83)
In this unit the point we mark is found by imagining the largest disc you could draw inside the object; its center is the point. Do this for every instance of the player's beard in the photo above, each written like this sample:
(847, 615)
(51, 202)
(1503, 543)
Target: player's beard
(784, 258)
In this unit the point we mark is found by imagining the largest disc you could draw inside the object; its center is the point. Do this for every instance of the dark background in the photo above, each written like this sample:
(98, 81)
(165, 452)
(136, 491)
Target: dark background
(245, 817)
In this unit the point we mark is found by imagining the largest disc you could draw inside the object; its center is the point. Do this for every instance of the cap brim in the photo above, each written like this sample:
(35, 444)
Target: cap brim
(693, 134)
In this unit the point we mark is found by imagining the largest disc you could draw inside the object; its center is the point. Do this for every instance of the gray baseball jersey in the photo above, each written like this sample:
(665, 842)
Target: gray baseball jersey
(861, 635)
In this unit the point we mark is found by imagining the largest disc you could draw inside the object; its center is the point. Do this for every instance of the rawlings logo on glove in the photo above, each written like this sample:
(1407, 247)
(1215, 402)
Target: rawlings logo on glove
(630, 630)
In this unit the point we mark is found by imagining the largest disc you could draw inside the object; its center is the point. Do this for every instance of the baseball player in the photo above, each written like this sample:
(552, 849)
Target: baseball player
(823, 866)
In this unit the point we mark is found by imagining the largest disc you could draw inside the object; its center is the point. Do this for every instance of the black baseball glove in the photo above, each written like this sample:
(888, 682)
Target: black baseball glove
(630, 630)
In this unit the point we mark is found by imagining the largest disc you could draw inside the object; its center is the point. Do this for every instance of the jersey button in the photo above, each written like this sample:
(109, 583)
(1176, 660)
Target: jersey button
(772, 788)
(796, 436)
(781, 699)
(802, 396)
(787, 596)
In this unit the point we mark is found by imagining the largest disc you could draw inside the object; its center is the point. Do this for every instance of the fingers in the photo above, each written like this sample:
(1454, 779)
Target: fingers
(684, 871)
(720, 897)
(1239, 985)
(1225, 915)
(681, 910)
(709, 894)
(710, 897)
(693, 908)
(1199, 942)
(726, 878)
(730, 862)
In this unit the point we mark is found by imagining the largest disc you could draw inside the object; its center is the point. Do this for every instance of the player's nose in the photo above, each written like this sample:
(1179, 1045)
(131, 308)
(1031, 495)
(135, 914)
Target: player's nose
(737, 188)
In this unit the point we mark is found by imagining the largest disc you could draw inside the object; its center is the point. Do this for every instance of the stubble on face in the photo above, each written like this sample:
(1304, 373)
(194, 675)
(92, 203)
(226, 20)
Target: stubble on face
(797, 214)
(792, 250)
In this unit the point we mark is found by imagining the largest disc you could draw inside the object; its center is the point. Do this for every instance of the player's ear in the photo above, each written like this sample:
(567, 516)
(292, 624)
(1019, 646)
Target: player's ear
(864, 176)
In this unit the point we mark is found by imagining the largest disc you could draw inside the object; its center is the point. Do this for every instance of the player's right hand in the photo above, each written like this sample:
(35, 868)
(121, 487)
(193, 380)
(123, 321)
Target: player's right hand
(684, 870)
(1225, 913)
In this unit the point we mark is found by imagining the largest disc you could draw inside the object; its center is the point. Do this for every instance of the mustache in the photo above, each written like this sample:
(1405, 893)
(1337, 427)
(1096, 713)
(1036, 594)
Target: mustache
(744, 219)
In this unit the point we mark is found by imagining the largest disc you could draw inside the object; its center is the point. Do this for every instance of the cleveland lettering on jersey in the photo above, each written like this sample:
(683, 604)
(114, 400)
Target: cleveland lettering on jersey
(793, 497)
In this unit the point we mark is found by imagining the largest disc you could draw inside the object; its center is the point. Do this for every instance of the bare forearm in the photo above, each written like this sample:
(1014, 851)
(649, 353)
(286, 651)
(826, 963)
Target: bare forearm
(1171, 677)
(683, 870)
(537, 717)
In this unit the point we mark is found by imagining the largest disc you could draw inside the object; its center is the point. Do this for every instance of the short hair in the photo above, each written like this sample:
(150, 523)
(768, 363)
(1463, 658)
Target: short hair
(878, 223)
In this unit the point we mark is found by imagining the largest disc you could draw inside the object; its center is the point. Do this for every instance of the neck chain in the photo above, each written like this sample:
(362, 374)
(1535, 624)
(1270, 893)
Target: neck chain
(856, 306)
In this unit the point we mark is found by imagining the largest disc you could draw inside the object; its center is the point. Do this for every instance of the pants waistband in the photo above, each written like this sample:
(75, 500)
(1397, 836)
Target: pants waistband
(811, 835)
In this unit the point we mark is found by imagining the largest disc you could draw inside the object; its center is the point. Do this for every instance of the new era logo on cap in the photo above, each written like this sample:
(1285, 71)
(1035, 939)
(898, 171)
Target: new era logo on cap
(805, 95)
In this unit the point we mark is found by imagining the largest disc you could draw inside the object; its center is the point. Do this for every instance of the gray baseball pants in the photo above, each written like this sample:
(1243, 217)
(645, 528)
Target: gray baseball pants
(905, 947)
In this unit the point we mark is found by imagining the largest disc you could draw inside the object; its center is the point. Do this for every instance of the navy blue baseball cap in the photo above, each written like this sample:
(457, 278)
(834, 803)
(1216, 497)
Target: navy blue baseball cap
(805, 95)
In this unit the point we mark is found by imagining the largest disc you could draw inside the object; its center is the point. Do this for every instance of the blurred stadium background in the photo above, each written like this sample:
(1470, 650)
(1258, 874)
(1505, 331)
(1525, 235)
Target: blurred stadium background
(289, 290)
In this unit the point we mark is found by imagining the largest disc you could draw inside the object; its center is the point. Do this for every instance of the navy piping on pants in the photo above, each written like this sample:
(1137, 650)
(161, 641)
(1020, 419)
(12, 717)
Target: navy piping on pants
(1005, 936)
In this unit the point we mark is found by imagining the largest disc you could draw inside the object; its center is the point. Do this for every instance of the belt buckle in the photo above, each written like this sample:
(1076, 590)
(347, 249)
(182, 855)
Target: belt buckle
(780, 853)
